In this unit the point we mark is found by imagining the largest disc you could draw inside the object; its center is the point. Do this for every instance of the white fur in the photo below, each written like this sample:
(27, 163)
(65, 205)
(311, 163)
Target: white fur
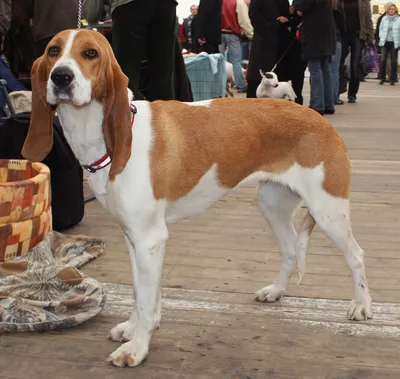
(202, 103)
(230, 80)
(144, 219)
(271, 87)
(229, 72)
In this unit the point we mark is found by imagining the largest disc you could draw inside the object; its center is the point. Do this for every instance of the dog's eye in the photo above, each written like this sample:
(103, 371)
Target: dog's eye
(54, 51)
(91, 53)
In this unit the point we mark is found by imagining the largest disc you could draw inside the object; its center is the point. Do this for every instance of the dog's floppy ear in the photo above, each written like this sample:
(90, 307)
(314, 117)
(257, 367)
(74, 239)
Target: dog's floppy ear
(262, 73)
(116, 124)
(39, 140)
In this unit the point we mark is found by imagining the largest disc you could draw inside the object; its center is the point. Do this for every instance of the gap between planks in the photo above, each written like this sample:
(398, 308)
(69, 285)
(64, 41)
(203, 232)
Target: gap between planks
(329, 314)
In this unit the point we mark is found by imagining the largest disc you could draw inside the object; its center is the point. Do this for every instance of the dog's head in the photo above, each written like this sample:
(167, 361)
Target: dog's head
(269, 79)
(78, 67)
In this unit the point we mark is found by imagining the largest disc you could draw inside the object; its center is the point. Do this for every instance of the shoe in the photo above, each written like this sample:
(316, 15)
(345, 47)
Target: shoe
(339, 102)
(352, 99)
(329, 111)
(242, 90)
(381, 82)
(315, 110)
(392, 83)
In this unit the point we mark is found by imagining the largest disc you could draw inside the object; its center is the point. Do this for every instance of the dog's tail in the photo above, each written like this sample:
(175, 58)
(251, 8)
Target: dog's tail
(302, 244)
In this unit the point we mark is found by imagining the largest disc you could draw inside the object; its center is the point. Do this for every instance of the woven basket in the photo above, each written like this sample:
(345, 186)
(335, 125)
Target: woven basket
(25, 206)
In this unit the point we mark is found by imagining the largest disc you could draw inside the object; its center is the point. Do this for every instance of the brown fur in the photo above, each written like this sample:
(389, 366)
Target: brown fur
(241, 136)
(39, 140)
(109, 86)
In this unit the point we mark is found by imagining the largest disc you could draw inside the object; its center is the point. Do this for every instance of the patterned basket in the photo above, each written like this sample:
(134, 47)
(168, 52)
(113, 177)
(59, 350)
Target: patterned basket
(25, 206)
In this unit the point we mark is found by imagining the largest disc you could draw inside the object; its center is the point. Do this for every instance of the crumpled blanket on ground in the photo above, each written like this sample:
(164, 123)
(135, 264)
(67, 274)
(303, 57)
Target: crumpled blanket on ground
(44, 290)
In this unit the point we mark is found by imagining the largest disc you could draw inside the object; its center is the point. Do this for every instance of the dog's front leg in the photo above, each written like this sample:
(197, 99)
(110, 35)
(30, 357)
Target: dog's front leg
(125, 330)
(147, 256)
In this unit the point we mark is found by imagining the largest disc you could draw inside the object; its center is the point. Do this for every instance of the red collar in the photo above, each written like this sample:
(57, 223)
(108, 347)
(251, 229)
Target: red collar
(105, 160)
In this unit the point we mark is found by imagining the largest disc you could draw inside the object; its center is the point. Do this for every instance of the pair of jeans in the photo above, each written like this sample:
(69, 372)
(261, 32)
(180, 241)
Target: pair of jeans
(335, 66)
(388, 49)
(321, 97)
(146, 29)
(354, 47)
(232, 42)
(245, 45)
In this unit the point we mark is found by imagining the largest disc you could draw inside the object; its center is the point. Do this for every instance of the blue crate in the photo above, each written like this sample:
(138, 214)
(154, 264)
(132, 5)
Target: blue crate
(207, 75)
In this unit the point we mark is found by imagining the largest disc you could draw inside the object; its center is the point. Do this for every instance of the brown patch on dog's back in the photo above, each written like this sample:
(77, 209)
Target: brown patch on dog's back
(241, 136)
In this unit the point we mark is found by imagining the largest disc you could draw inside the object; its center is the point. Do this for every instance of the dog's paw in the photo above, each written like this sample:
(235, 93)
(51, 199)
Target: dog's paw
(360, 311)
(269, 294)
(129, 354)
(121, 332)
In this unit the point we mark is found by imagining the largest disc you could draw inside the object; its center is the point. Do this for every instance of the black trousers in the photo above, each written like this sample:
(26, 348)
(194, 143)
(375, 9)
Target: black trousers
(388, 49)
(252, 86)
(146, 29)
(298, 69)
(352, 46)
(210, 48)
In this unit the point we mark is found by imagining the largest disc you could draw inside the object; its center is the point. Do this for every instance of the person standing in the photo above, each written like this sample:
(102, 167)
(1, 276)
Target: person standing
(146, 28)
(319, 45)
(267, 17)
(389, 41)
(340, 23)
(378, 22)
(245, 43)
(207, 26)
(50, 18)
(359, 32)
(235, 21)
(185, 30)
(293, 65)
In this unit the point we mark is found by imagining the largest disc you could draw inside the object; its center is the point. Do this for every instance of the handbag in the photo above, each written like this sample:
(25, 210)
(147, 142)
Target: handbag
(298, 32)
(369, 59)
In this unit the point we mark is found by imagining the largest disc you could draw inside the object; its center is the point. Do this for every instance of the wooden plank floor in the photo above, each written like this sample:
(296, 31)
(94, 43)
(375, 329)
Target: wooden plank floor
(212, 327)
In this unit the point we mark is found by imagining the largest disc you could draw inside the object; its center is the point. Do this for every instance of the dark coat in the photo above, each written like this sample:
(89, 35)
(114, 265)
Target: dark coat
(207, 23)
(290, 50)
(267, 33)
(318, 28)
(340, 22)
(52, 17)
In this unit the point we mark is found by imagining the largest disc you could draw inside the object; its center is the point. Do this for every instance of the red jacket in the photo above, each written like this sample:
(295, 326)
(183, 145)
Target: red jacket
(229, 17)
(182, 35)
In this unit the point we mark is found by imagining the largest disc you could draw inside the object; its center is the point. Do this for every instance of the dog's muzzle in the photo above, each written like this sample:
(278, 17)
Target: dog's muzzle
(62, 77)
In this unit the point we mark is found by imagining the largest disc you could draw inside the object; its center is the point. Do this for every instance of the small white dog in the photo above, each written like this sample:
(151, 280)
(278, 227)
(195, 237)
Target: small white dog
(270, 86)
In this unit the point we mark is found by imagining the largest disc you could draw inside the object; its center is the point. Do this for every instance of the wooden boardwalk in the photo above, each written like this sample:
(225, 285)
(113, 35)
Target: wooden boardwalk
(212, 327)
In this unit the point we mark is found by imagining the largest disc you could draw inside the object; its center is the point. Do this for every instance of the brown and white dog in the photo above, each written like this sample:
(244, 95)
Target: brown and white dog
(176, 159)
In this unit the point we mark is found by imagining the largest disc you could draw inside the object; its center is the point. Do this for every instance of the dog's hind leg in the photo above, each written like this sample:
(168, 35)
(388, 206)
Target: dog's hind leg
(277, 204)
(332, 215)
(228, 88)
(291, 94)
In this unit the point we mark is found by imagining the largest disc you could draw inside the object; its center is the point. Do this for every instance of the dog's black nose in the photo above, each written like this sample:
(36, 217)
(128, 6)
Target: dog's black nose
(62, 77)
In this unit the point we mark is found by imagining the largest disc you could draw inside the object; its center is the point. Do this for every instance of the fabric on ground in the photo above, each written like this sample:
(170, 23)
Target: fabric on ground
(44, 290)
